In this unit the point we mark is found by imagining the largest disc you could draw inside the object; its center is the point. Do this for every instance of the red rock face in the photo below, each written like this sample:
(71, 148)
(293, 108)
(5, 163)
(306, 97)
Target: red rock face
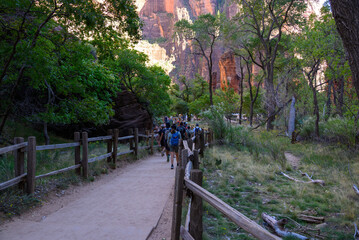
(228, 72)
(159, 17)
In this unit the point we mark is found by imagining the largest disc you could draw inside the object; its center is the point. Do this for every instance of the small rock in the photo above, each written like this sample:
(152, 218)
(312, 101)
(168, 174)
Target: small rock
(320, 226)
(43, 218)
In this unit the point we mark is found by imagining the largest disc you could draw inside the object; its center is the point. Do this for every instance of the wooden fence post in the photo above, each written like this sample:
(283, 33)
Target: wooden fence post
(184, 158)
(19, 156)
(195, 159)
(115, 145)
(109, 144)
(84, 162)
(180, 147)
(209, 136)
(190, 143)
(77, 152)
(195, 225)
(196, 141)
(177, 204)
(152, 141)
(31, 165)
(202, 144)
(147, 133)
(136, 143)
(131, 139)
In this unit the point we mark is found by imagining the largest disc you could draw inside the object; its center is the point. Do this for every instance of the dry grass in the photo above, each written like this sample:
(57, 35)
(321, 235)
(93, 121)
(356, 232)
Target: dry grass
(252, 183)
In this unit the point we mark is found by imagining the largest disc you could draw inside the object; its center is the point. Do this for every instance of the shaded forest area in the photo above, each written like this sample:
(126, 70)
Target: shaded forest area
(64, 64)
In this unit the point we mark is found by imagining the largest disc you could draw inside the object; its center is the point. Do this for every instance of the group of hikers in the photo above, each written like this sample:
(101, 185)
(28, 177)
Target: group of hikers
(170, 135)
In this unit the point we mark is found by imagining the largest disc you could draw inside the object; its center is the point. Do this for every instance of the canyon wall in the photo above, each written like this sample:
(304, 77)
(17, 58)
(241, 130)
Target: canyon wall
(159, 17)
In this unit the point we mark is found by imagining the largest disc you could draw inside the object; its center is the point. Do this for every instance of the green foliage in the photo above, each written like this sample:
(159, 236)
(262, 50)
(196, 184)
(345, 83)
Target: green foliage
(149, 84)
(229, 101)
(335, 129)
(15, 203)
(214, 116)
(190, 96)
(203, 34)
(45, 49)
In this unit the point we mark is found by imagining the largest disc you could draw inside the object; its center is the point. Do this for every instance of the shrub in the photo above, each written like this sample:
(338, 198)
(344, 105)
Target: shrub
(339, 130)
(307, 128)
(214, 116)
(335, 129)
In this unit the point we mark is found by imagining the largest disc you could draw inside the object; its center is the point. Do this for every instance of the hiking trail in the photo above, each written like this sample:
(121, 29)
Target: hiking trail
(126, 204)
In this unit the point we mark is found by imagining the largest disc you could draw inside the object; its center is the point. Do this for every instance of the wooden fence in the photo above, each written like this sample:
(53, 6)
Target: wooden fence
(191, 180)
(80, 144)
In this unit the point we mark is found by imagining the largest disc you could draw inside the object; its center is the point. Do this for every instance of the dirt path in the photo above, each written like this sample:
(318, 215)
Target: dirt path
(294, 161)
(125, 205)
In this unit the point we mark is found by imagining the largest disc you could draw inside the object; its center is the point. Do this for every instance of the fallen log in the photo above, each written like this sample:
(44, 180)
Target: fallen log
(278, 227)
(356, 233)
(320, 182)
(356, 190)
(311, 219)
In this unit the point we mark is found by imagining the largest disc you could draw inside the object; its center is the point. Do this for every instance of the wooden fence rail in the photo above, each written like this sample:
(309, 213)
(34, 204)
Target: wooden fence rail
(81, 160)
(194, 229)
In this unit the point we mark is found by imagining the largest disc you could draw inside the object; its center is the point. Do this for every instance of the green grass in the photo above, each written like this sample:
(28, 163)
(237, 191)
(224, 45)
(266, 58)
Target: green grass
(250, 181)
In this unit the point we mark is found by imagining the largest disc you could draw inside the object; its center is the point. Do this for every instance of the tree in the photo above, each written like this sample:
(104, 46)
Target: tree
(203, 34)
(27, 23)
(187, 92)
(346, 16)
(149, 84)
(318, 44)
(229, 101)
(264, 23)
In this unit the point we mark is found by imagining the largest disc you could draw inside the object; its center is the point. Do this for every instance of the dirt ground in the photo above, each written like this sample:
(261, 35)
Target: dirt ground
(294, 161)
(163, 228)
(125, 204)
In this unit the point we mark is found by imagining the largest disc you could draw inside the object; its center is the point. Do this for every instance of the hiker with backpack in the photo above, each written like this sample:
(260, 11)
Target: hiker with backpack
(164, 138)
(189, 132)
(182, 130)
(173, 142)
(196, 130)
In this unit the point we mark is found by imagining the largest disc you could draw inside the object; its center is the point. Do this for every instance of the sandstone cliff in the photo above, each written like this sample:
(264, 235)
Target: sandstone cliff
(159, 17)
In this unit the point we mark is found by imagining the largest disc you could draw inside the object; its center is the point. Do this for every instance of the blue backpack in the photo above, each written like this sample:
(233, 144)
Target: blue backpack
(175, 139)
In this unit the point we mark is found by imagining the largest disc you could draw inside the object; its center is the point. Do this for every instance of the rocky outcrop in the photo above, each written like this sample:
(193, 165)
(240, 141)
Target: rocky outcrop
(159, 17)
(129, 113)
(228, 72)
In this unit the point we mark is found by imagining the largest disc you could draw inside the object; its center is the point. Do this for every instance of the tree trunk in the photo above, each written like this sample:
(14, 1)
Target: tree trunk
(251, 114)
(241, 92)
(316, 109)
(329, 101)
(210, 84)
(291, 122)
(46, 135)
(345, 13)
(340, 97)
(270, 99)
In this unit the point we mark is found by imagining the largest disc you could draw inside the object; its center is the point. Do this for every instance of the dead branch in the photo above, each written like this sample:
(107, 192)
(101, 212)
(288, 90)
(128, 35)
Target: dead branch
(276, 225)
(320, 182)
(356, 233)
(311, 219)
(272, 115)
(356, 189)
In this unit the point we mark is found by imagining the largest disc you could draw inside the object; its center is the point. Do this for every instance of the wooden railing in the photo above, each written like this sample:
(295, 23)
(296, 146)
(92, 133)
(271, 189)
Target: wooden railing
(80, 162)
(193, 183)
